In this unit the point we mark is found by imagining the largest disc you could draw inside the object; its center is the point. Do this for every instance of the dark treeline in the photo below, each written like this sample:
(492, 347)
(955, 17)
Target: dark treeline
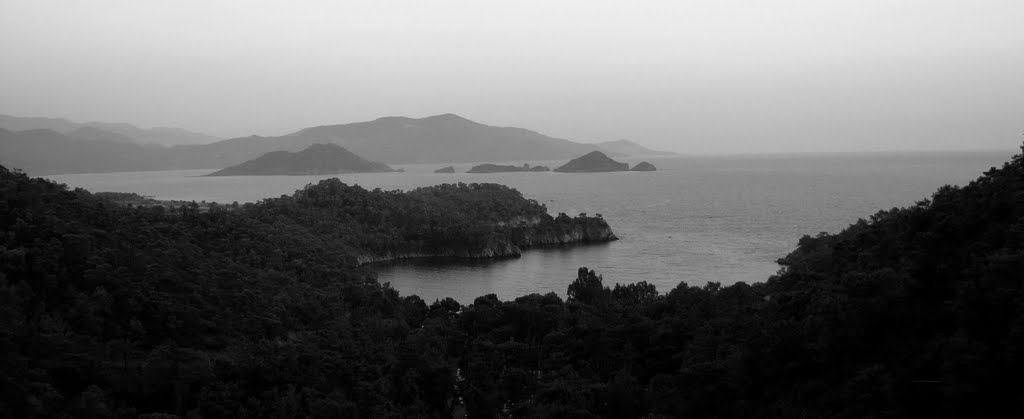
(115, 311)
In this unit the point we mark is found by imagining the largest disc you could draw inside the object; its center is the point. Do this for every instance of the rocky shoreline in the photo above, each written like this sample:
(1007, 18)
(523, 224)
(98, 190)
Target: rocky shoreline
(514, 242)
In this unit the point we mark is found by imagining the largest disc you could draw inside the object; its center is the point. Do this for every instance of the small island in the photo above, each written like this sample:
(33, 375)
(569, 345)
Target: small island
(448, 169)
(317, 159)
(594, 161)
(499, 168)
(643, 167)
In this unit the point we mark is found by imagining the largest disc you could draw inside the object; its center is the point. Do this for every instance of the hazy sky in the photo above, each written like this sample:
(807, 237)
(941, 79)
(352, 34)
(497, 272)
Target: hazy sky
(691, 76)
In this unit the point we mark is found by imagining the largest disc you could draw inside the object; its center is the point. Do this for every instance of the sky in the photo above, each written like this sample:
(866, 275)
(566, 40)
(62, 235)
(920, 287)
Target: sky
(715, 76)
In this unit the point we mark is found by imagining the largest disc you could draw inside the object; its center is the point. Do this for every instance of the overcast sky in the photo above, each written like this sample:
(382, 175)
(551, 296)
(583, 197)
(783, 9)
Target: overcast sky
(716, 76)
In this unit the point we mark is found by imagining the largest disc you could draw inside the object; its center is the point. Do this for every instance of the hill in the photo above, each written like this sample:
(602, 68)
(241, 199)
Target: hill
(501, 168)
(643, 167)
(165, 136)
(84, 150)
(630, 148)
(396, 140)
(14, 123)
(594, 161)
(90, 133)
(317, 159)
(392, 140)
(113, 310)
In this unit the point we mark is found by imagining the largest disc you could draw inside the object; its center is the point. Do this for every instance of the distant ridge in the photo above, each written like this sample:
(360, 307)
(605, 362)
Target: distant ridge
(44, 151)
(317, 159)
(443, 139)
(446, 138)
(165, 136)
(630, 148)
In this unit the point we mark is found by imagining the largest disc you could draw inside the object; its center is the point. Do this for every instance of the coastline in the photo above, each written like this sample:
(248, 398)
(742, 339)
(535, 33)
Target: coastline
(514, 244)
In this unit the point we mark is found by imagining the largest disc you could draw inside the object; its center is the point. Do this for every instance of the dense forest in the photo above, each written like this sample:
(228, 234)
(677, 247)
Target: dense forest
(256, 310)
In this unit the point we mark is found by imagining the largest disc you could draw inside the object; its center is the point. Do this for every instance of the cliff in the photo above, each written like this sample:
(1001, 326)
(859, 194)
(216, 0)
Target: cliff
(595, 161)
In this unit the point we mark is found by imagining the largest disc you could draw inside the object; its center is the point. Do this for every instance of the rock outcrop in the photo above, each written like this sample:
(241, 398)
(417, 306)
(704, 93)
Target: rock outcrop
(448, 169)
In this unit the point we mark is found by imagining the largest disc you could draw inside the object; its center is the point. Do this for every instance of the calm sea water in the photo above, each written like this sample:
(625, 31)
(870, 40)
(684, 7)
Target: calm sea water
(696, 219)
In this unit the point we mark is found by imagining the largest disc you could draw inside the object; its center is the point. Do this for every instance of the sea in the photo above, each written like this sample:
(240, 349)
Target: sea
(697, 219)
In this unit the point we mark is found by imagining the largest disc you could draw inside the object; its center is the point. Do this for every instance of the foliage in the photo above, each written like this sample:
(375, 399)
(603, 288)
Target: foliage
(109, 310)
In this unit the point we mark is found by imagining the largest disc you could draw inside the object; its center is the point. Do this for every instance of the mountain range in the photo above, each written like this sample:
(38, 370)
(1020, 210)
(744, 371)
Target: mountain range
(44, 151)
(165, 136)
(629, 148)
(72, 147)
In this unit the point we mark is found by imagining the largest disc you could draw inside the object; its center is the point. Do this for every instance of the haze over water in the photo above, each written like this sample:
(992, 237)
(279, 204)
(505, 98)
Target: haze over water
(696, 220)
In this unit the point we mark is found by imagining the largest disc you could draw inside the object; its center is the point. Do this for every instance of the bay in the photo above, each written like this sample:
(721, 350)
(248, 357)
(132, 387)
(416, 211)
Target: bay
(695, 220)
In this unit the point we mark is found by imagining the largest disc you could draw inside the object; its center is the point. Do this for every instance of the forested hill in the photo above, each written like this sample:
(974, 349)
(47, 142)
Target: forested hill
(110, 311)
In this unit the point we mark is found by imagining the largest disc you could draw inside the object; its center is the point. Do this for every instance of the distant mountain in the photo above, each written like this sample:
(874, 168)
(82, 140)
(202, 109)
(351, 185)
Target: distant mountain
(164, 136)
(89, 133)
(60, 125)
(629, 148)
(45, 151)
(398, 140)
(594, 161)
(393, 140)
(317, 159)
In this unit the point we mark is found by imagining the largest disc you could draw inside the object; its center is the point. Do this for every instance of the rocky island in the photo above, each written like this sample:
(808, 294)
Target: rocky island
(448, 169)
(643, 167)
(317, 159)
(594, 161)
(499, 168)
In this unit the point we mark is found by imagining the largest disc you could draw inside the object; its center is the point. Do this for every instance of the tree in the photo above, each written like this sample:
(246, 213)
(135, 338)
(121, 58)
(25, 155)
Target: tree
(588, 288)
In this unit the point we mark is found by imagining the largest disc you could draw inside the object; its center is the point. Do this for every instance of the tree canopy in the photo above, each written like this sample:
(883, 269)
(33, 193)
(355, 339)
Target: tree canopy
(111, 310)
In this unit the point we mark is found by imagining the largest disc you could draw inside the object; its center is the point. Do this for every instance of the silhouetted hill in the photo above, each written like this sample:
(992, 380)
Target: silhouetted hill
(396, 140)
(15, 123)
(90, 133)
(95, 151)
(500, 168)
(594, 161)
(165, 136)
(317, 159)
(630, 148)
(643, 167)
